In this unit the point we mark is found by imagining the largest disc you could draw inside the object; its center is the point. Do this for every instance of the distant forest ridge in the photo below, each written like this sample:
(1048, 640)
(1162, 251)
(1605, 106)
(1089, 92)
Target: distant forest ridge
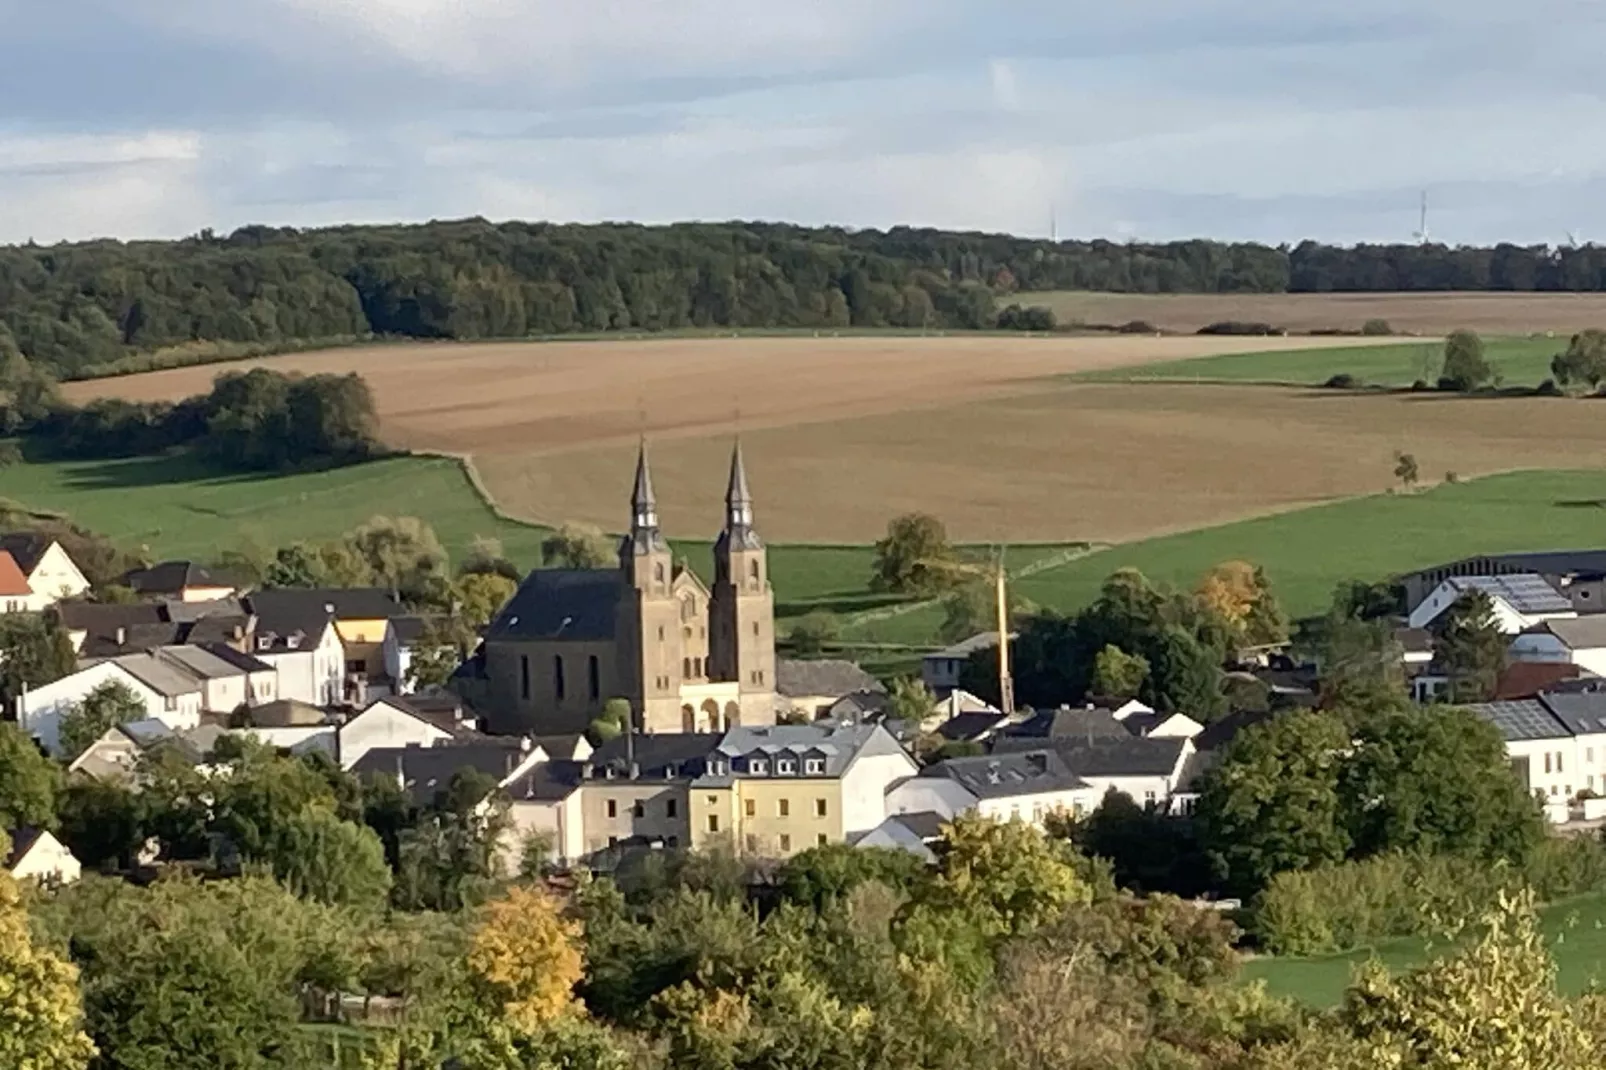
(88, 308)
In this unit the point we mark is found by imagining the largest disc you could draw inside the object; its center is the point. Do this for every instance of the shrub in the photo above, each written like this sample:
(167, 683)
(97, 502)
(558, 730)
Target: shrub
(1137, 327)
(1548, 389)
(1018, 318)
(1420, 385)
(1241, 327)
(1376, 328)
(1465, 367)
(10, 454)
(1451, 477)
(1343, 381)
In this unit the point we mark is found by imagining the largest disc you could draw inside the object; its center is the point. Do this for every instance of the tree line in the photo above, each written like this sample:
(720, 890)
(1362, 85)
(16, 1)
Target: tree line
(81, 309)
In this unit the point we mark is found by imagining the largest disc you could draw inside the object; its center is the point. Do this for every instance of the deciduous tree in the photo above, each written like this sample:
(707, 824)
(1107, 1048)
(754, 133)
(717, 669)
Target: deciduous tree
(1465, 367)
(577, 546)
(104, 708)
(34, 650)
(41, 1014)
(914, 557)
(527, 957)
(30, 783)
(1117, 674)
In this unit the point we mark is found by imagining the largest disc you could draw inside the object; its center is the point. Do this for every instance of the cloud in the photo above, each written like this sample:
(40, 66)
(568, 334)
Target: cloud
(1153, 118)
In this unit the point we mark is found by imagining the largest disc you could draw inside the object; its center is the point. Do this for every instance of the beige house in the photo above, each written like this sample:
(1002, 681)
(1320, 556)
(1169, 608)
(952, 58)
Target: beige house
(809, 689)
(687, 657)
(182, 581)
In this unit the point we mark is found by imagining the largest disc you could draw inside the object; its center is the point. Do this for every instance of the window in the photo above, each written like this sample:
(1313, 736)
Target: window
(713, 800)
(755, 629)
(785, 766)
(613, 808)
(673, 841)
(594, 677)
(558, 688)
(784, 808)
(356, 666)
(752, 571)
(822, 839)
(660, 633)
(639, 810)
(713, 822)
(1148, 799)
(758, 766)
(613, 841)
(524, 678)
(786, 842)
(1558, 761)
(1589, 755)
(670, 808)
(752, 845)
(761, 676)
(1547, 761)
(170, 703)
(820, 807)
(1037, 813)
(658, 573)
(685, 668)
(814, 766)
(1014, 812)
(750, 808)
(697, 664)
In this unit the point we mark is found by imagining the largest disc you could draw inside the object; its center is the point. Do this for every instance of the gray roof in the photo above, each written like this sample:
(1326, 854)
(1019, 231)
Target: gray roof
(1069, 722)
(836, 745)
(1525, 592)
(668, 756)
(969, 726)
(1528, 719)
(408, 629)
(172, 577)
(547, 782)
(243, 662)
(100, 618)
(927, 824)
(563, 603)
(1552, 562)
(967, 647)
(1583, 711)
(796, 678)
(162, 678)
(202, 663)
(348, 603)
(427, 771)
(860, 705)
(188, 612)
(1003, 775)
(1582, 633)
(1105, 757)
(287, 713)
(1414, 640)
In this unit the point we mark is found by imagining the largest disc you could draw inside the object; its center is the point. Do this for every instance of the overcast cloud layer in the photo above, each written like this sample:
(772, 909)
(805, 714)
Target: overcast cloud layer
(1150, 119)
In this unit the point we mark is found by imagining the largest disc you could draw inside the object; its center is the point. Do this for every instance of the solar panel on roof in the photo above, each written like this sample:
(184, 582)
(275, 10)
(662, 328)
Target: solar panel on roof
(1524, 592)
(1521, 720)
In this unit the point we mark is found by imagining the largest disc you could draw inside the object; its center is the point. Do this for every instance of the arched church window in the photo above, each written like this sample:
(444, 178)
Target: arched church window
(658, 573)
(752, 571)
(685, 668)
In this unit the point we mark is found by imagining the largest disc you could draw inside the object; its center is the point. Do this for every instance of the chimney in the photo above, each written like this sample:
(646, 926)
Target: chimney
(526, 744)
(329, 608)
(122, 635)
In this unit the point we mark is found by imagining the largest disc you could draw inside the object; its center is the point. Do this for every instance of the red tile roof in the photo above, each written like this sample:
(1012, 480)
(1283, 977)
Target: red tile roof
(1525, 679)
(12, 582)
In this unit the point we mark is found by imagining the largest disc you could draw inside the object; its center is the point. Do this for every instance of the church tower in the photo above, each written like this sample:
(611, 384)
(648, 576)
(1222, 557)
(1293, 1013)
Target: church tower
(742, 606)
(651, 623)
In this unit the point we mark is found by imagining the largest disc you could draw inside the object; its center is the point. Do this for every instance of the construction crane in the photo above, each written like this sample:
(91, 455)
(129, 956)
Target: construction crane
(998, 576)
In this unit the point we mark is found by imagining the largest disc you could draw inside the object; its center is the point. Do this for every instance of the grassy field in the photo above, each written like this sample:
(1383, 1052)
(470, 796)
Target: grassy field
(1518, 361)
(1414, 313)
(1576, 931)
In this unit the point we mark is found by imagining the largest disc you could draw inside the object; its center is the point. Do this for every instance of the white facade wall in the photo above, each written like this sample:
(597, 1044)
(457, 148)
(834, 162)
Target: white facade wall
(930, 794)
(382, 725)
(1552, 766)
(223, 695)
(49, 862)
(1033, 808)
(865, 783)
(40, 710)
(55, 577)
(314, 676)
(1508, 619)
(1143, 790)
(560, 820)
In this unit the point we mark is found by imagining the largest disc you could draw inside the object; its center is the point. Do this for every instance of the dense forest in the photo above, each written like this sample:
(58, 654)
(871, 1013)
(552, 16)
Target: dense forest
(78, 309)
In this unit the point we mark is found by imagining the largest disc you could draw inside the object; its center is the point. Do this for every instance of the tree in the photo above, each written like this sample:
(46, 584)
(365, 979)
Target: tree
(30, 783)
(823, 877)
(398, 553)
(1471, 647)
(486, 557)
(910, 700)
(1117, 674)
(577, 546)
(1240, 595)
(41, 1015)
(914, 557)
(320, 857)
(104, 708)
(481, 596)
(611, 723)
(1405, 470)
(1465, 367)
(527, 957)
(1005, 878)
(813, 631)
(102, 823)
(1434, 780)
(1360, 661)
(1584, 361)
(1272, 801)
(973, 608)
(34, 650)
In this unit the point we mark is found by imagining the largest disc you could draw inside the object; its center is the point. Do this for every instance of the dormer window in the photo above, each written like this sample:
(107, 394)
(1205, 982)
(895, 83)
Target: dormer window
(758, 766)
(292, 641)
(814, 766)
(264, 642)
(785, 766)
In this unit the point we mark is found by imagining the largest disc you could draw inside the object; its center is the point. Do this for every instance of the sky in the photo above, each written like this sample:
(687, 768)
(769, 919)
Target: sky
(1266, 120)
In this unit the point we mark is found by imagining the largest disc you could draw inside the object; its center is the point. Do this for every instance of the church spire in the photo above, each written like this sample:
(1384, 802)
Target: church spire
(738, 499)
(643, 503)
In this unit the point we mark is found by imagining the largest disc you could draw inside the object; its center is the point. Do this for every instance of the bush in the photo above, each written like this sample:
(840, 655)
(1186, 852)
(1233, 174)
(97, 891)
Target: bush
(1343, 381)
(10, 454)
(1376, 328)
(1420, 386)
(1241, 327)
(1465, 367)
(1035, 318)
(1137, 327)
(1451, 477)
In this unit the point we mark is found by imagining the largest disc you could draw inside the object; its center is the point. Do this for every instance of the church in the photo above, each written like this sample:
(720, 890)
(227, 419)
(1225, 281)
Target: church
(686, 657)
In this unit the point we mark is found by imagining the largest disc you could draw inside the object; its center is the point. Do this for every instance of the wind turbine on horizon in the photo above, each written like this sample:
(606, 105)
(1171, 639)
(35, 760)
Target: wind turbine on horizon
(1421, 233)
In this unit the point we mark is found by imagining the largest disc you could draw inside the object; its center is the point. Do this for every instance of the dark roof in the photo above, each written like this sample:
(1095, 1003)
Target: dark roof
(1526, 719)
(443, 712)
(1129, 756)
(547, 782)
(563, 603)
(283, 614)
(659, 757)
(21, 840)
(1582, 711)
(287, 713)
(834, 677)
(172, 577)
(1550, 562)
(187, 612)
(1005, 774)
(343, 603)
(927, 824)
(1220, 733)
(1414, 640)
(99, 618)
(428, 770)
(969, 726)
(860, 704)
(408, 629)
(26, 547)
(244, 662)
(1067, 723)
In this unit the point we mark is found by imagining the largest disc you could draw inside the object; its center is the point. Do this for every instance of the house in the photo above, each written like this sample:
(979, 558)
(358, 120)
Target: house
(52, 575)
(389, 723)
(812, 688)
(1580, 642)
(39, 856)
(1519, 601)
(168, 693)
(913, 832)
(637, 789)
(114, 757)
(941, 670)
(1529, 679)
(1556, 742)
(424, 772)
(1068, 722)
(1148, 770)
(228, 678)
(104, 630)
(1416, 646)
(975, 727)
(183, 581)
(297, 637)
(16, 596)
(1141, 720)
(1578, 575)
(929, 794)
(1020, 785)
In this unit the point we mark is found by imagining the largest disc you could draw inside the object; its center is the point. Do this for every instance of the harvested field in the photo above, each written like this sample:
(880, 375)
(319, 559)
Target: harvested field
(536, 397)
(1416, 313)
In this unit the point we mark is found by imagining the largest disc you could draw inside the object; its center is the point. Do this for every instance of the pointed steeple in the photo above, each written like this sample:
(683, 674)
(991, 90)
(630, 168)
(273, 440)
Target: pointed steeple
(643, 503)
(738, 499)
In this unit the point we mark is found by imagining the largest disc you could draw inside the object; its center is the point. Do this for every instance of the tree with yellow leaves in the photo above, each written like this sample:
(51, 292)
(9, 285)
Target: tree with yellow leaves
(41, 1013)
(1241, 596)
(527, 955)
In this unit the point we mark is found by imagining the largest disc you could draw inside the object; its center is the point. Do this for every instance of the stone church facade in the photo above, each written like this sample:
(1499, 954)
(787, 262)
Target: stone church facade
(687, 657)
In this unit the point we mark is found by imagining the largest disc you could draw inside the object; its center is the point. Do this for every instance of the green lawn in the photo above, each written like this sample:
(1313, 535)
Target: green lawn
(1576, 930)
(1520, 361)
(1306, 553)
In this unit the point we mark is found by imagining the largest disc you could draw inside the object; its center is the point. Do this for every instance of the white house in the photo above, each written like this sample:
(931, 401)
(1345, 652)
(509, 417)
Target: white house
(37, 855)
(1021, 786)
(1148, 770)
(309, 660)
(388, 722)
(1520, 601)
(1143, 720)
(168, 695)
(939, 795)
(52, 575)
(1556, 741)
(941, 670)
(1580, 642)
(228, 678)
